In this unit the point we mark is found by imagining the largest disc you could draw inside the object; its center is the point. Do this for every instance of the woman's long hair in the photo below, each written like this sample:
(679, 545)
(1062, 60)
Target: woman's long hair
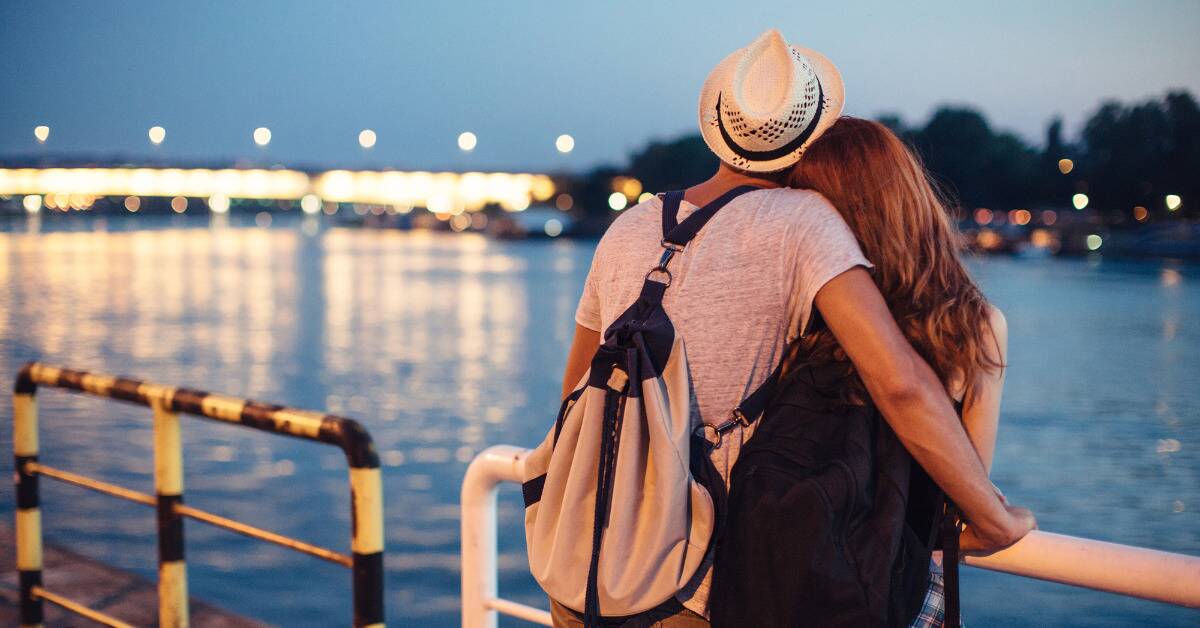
(883, 192)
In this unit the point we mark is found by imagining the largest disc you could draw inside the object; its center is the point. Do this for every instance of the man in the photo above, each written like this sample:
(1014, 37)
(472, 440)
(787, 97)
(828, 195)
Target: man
(747, 285)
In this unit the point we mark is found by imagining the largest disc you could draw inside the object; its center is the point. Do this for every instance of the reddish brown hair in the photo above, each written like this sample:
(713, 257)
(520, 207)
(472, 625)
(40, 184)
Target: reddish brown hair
(885, 195)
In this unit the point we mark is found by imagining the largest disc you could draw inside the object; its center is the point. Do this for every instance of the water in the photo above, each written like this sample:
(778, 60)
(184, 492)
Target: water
(445, 344)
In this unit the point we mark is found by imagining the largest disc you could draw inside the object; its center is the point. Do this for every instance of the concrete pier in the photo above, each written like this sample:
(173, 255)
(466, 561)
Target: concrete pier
(123, 595)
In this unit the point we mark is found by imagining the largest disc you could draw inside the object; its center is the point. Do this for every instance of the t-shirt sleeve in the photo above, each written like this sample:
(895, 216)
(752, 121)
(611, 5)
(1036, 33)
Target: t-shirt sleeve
(821, 246)
(588, 311)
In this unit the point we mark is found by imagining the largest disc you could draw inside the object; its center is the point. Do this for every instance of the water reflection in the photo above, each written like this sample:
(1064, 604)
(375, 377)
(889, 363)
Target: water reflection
(444, 344)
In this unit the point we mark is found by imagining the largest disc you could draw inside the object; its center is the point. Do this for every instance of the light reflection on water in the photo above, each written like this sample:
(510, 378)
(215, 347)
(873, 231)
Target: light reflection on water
(445, 344)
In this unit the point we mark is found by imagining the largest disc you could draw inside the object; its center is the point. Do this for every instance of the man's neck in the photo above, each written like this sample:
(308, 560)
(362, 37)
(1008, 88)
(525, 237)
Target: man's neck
(726, 179)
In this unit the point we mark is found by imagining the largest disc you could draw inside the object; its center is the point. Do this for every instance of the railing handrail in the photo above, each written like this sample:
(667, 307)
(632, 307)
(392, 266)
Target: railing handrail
(366, 488)
(1099, 565)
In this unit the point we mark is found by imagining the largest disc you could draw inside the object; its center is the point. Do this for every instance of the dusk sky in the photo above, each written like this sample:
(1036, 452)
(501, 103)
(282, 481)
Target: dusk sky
(612, 74)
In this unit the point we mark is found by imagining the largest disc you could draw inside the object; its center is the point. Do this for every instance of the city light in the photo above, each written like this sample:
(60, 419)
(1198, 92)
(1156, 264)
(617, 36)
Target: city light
(553, 227)
(41, 132)
(157, 135)
(1079, 201)
(133, 203)
(617, 201)
(565, 143)
(1049, 217)
(262, 136)
(1065, 166)
(310, 204)
(470, 191)
(32, 203)
(179, 204)
(564, 202)
(219, 204)
(366, 138)
(1140, 213)
(1173, 202)
(983, 216)
(645, 197)
(1020, 216)
(629, 186)
(467, 141)
(1094, 242)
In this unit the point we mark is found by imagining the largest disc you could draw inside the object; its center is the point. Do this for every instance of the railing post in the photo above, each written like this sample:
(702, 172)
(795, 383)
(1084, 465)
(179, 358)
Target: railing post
(366, 502)
(478, 501)
(29, 514)
(168, 486)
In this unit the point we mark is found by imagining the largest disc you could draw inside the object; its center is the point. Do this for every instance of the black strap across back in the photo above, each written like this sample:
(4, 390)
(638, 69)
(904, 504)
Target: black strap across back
(676, 235)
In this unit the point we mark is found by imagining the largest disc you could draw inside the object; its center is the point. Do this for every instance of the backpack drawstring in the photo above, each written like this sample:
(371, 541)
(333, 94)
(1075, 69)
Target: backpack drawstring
(610, 434)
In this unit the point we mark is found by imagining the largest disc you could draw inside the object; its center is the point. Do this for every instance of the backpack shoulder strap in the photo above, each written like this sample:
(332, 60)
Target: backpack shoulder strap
(680, 233)
(748, 411)
(670, 217)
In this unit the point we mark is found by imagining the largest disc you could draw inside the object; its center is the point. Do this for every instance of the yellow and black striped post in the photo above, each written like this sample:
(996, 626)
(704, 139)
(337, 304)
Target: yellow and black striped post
(29, 514)
(366, 499)
(168, 489)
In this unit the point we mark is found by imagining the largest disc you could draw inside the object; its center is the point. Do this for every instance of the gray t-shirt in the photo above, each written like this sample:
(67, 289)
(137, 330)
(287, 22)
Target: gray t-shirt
(741, 290)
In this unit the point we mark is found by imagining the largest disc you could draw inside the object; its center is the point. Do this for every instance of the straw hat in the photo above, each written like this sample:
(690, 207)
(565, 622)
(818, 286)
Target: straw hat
(764, 104)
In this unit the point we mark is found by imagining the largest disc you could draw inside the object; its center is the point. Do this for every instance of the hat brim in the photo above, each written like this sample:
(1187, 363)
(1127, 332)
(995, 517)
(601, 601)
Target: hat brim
(833, 99)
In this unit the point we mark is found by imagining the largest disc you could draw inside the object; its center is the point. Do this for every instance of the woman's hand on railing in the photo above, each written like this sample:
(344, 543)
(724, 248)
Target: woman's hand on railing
(978, 540)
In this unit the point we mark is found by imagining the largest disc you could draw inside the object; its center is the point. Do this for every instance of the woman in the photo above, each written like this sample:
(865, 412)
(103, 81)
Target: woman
(885, 196)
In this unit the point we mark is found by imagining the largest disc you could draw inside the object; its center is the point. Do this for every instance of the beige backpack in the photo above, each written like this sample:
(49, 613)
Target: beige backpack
(622, 503)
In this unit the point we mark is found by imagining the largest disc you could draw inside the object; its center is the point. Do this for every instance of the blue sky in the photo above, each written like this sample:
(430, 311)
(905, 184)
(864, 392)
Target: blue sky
(612, 74)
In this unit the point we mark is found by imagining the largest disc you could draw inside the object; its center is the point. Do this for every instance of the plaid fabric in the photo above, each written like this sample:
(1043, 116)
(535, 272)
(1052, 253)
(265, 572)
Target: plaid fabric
(933, 610)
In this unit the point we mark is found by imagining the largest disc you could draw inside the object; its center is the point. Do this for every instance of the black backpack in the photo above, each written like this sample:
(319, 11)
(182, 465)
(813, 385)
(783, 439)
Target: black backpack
(829, 520)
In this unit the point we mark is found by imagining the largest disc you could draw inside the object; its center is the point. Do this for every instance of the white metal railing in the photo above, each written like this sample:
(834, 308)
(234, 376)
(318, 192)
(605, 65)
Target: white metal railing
(1121, 569)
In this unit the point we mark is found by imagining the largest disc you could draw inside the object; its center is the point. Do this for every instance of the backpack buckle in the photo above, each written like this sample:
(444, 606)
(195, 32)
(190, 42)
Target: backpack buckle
(719, 430)
(701, 432)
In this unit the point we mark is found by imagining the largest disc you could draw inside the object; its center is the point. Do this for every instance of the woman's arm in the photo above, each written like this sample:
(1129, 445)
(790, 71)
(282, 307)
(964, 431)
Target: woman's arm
(915, 404)
(981, 412)
(583, 347)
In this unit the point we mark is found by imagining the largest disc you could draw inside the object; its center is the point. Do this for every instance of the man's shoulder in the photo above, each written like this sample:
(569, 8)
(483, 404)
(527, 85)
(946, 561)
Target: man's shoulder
(636, 220)
(795, 206)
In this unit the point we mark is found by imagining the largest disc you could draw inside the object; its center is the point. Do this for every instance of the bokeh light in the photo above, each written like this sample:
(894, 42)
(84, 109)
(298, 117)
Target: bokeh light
(262, 136)
(1079, 201)
(179, 204)
(467, 141)
(133, 203)
(218, 203)
(1140, 213)
(564, 202)
(366, 138)
(617, 201)
(157, 135)
(553, 227)
(32, 203)
(1065, 166)
(42, 133)
(564, 143)
(1094, 242)
(1173, 202)
(310, 203)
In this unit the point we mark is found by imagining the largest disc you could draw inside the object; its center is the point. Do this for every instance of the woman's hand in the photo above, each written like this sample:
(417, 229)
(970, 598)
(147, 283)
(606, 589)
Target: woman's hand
(1014, 525)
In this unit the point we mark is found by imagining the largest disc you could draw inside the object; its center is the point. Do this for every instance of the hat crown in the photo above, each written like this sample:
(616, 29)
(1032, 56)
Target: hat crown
(763, 77)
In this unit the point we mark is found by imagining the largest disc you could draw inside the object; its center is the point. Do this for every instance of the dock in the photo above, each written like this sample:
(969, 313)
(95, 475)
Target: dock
(116, 592)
